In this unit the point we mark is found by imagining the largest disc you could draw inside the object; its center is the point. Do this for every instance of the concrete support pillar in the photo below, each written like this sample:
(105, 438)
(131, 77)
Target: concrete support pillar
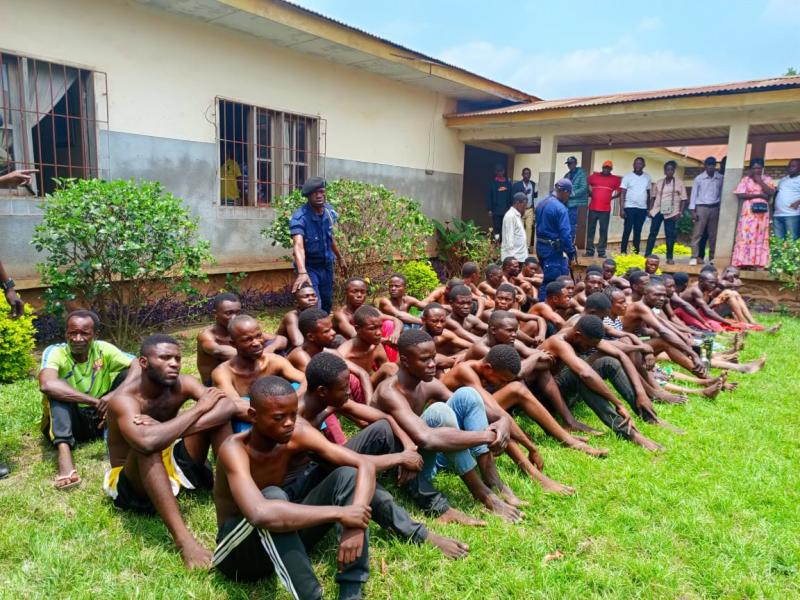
(729, 208)
(547, 174)
(758, 148)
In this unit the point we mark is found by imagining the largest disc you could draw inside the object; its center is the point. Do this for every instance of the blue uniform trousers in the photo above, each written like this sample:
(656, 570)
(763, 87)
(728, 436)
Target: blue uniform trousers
(554, 265)
(322, 279)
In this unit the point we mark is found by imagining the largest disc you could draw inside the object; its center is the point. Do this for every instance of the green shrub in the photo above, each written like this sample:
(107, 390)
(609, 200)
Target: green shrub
(16, 343)
(376, 226)
(629, 261)
(459, 242)
(421, 279)
(684, 226)
(678, 250)
(784, 263)
(114, 246)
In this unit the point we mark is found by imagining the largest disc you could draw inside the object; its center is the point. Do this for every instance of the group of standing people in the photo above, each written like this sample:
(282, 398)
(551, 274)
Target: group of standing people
(511, 208)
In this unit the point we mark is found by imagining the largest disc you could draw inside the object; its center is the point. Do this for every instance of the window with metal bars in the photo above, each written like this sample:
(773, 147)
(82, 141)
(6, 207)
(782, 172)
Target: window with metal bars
(48, 121)
(264, 153)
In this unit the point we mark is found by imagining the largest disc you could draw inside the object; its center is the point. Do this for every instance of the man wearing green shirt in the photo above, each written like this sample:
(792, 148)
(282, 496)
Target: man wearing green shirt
(580, 193)
(76, 379)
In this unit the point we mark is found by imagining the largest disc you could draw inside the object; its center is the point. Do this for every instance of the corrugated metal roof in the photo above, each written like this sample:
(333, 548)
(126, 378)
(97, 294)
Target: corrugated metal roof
(706, 90)
(522, 95)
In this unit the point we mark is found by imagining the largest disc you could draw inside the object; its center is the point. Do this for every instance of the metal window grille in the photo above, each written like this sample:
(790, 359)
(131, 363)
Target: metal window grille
(265, 153)
(49, 120)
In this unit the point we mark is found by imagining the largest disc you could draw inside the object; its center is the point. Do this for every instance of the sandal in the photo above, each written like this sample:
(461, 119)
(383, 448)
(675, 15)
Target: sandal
(66, 482)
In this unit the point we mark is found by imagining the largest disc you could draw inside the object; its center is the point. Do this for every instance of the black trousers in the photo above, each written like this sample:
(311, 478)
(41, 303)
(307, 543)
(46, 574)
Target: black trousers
(70, 422)
(375, 440)
(634, 221)
(595, 217)
(247, 553)
(609, 368)
(669, 231)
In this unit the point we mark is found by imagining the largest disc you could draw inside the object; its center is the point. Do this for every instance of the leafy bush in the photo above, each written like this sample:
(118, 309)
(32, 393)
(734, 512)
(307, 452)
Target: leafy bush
(678, 250)
(16, 343)
(629, 261)
(375, 228)
(114, 246)
(784, 263)
(459, 242)
(421, 279)
(684, 225)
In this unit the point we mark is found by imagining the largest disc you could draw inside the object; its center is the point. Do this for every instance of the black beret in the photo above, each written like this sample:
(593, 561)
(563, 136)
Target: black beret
(313, 184)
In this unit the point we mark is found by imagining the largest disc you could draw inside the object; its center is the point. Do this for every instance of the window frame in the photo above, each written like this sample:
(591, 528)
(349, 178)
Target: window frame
(279, 155)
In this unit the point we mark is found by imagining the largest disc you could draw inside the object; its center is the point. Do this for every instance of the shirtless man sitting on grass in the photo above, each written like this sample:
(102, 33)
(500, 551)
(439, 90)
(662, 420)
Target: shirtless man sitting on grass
(155, 451)
(578, 379)
(446, 426)
(461, 320)
(449, 346)
(532, 327)
(381, 438)
(236, 376)
(556, 298)
(365, 348)
(214, 343)
(398, 303)
(305, 297)
(265, 525)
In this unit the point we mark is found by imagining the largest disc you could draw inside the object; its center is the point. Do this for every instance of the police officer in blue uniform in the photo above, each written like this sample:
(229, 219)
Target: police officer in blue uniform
(313, 244)
(554, 235)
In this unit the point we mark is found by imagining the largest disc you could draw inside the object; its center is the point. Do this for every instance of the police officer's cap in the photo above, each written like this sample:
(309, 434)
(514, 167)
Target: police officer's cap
(313, 184)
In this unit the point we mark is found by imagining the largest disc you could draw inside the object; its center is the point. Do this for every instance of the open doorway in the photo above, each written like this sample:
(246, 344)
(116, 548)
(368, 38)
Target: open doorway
(479, 166)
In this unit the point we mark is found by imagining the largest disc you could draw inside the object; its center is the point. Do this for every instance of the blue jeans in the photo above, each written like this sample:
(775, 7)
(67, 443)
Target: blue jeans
(465, 411)
(322, 279)
(634, 221)
(669, 231)
(786, 226)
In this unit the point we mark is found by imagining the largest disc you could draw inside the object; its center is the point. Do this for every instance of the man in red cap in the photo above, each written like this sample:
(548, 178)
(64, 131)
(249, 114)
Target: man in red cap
(603, 187)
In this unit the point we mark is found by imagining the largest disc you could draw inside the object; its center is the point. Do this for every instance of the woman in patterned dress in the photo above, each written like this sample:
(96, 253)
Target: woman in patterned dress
(751, 250)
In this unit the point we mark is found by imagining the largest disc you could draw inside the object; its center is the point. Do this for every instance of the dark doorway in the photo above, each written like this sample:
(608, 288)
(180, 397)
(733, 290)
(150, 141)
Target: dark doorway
(479, 165)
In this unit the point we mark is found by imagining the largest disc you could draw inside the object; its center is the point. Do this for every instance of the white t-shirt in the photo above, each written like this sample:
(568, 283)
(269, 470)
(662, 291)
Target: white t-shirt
(638, 189)
(788, 192)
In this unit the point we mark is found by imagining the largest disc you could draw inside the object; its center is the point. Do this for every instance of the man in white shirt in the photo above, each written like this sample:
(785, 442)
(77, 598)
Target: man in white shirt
(786, 220)
(527, 187)
(704, 207)
(514, 241)
(633, 200)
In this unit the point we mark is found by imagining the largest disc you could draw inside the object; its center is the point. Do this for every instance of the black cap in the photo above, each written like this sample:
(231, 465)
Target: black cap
(710, 161)
(313, 184)
(571, 159)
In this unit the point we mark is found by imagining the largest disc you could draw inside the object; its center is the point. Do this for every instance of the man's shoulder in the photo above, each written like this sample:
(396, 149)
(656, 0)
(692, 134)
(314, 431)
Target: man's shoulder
(55, 353)
(300, 211)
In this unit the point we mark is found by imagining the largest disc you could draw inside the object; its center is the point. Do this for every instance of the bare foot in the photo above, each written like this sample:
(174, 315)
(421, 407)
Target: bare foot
(775, 328)
(449, 547)
(754, 366)
(553, 487)
(502, 509)
(668, 398)
(194, 555)
(509, 496)
(590, 450)
(729, 355)
(730, 386)
(713, 391)
(646, 443)
(456, 516)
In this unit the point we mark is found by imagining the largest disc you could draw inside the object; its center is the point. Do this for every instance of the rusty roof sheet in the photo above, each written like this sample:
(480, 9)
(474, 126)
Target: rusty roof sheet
(760, 85)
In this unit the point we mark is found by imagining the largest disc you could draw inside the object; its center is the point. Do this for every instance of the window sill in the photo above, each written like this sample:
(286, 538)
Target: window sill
(244, 213)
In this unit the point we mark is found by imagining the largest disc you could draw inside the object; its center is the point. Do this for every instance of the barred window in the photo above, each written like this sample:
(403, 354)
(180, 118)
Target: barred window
(48, 120)
(264, 153)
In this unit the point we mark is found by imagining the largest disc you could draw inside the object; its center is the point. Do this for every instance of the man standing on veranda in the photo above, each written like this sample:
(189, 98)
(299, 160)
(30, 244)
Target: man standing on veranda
(313, 244)
(603, 187)
(515, 243)
(527, 187)
(704, 206)
(580, 192)
(786, 219)
(553, 239)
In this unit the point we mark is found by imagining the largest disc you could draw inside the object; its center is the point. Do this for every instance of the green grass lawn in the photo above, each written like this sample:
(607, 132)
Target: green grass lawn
(715, 516)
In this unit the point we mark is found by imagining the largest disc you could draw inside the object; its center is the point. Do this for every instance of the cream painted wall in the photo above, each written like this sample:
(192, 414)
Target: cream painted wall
(165, 71)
